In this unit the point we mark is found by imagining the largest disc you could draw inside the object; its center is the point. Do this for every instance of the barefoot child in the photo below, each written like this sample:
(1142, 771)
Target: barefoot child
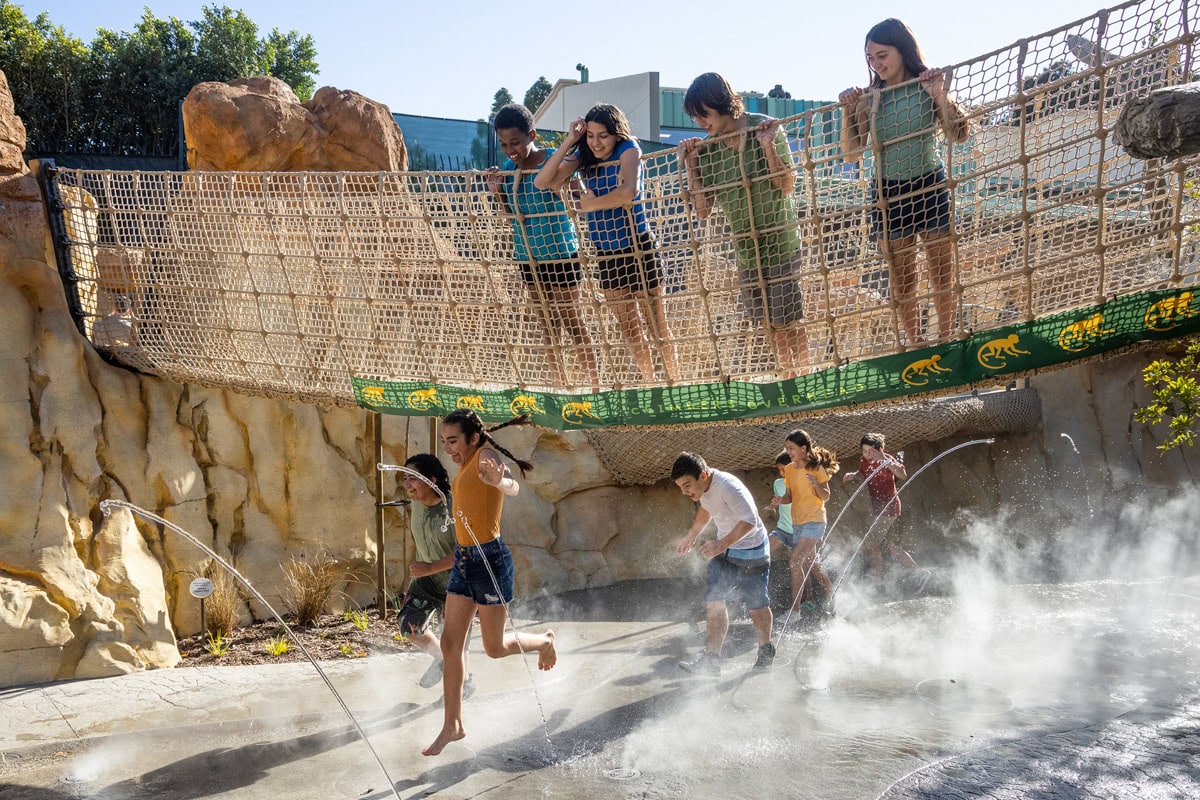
(601, 148)
(905, 105)
(479, 490)
(807, 479)
(739, 562)
(885, 501)
(748, 170)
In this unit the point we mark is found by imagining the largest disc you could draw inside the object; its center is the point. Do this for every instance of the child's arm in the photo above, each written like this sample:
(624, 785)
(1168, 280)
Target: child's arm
(628, 184)
(717, 546)
(563, 162)
(685, 545)
(950, 116)
(492, 471)
(419, 569)
(779, 157)
(854, 123)
(689, 151)
(820, 488)
(495, 183)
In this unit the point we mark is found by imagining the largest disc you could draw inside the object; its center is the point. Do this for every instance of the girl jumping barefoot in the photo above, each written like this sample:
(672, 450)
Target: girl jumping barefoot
(481, 579)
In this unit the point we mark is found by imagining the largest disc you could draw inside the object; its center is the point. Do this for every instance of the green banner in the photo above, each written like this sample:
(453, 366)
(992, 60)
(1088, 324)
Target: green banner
(984, 356)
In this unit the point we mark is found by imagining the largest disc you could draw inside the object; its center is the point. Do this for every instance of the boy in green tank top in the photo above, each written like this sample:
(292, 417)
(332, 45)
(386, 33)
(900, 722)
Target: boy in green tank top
(744, 166)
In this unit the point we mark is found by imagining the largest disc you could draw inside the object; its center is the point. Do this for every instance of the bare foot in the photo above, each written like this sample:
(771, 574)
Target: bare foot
(444, 738)
(547, 658)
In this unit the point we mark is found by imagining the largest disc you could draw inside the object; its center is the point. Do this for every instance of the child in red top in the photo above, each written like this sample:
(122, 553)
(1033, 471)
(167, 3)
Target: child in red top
(885, 501)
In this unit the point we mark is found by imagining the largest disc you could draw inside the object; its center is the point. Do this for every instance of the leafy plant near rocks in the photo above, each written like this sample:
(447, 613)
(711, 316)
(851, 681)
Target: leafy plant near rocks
(277, 646)
(217, 645)
(1176, 388)
(309, 585)
(358, 618)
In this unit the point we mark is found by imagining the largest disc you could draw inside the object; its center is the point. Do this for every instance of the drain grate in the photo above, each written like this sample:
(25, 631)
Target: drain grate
(622, 774)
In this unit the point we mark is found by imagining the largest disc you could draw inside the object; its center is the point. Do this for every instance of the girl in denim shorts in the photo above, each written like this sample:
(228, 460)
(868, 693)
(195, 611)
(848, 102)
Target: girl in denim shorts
(481, 580)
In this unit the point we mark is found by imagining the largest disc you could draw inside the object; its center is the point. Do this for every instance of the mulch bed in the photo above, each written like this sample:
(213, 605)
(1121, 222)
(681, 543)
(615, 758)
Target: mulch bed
(333, 637)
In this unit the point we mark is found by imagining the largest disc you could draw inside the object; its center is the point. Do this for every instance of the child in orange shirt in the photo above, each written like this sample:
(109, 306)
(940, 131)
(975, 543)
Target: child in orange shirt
(807, 479)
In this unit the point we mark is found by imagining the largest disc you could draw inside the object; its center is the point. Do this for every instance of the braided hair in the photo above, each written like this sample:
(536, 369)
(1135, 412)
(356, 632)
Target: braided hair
(817, 456)
(471, 425)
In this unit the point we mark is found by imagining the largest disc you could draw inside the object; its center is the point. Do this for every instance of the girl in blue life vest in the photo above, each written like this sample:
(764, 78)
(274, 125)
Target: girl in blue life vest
(600, 146)
(902, 108)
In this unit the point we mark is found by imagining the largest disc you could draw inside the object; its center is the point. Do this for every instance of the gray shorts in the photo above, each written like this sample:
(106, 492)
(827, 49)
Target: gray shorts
(785, 302)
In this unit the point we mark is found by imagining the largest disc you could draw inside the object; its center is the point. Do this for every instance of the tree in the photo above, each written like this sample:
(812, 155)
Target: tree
(1176, 389)
(121, 93)
(779, 92)
(500, 99)
(537, 94)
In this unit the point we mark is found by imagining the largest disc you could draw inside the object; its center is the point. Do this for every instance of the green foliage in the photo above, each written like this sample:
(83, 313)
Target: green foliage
(358, 617)
(121, 93)
(277, 646)
(500, 99)
(537, 94)
(217, 645)
(1176, 388)
(347, 650)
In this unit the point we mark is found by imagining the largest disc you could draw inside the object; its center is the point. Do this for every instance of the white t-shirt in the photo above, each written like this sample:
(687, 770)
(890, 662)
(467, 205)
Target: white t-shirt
(729, 502)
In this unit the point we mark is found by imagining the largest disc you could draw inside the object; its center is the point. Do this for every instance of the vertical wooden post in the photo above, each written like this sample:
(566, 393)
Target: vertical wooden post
(381, 566)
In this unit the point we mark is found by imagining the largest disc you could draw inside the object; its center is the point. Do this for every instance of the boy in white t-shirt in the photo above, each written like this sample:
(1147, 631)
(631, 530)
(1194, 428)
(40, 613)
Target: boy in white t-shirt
(739, 559)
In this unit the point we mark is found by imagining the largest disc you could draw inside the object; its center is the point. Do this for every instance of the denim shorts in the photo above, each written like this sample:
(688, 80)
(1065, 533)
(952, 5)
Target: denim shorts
(746, 582)
(469, 576)
(787, 537)
(810, 530)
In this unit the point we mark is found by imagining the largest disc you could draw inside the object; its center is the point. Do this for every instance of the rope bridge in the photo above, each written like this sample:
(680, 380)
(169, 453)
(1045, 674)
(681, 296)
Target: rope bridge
(417, 292)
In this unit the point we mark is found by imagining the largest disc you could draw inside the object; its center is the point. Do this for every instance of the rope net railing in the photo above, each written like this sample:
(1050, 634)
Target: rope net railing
(287, 284)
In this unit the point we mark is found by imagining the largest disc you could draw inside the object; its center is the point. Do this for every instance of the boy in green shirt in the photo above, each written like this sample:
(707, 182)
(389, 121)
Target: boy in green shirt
(745, 166)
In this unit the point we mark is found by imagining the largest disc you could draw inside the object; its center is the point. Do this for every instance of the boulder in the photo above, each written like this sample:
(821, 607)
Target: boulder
(259, 125)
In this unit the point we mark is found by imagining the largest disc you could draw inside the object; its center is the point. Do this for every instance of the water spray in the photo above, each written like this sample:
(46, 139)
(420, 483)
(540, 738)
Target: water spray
(107, 506)
(863, 539)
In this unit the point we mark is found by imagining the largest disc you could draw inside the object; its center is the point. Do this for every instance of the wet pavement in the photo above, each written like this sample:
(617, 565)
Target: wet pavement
(1049, 691)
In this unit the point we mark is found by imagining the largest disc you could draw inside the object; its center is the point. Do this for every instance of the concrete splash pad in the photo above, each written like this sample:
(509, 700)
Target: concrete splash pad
(1049, 690)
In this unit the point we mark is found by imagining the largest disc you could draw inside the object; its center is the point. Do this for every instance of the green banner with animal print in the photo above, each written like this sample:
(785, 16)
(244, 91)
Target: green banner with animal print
(979, 358)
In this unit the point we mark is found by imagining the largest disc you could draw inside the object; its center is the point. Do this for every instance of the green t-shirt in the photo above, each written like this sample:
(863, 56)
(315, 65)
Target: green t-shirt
(432, 544)
(902, 111)
(763, 219)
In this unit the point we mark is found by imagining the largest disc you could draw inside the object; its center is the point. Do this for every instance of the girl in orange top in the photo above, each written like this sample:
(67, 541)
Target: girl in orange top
(481, 580)
(807, 480)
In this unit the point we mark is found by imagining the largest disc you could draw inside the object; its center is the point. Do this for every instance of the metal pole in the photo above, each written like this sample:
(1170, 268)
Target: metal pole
(203, 626)
(433, 437)
(381, 573)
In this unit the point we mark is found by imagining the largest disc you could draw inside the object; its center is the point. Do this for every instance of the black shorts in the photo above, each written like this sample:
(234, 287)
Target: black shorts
(785, 302)
(565, 274)
(635, 268)
(423, 598)
(915, 205)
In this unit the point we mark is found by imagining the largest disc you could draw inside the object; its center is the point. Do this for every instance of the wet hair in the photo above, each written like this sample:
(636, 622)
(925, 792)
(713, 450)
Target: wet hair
(613, 120)
(471, 425)
(516, 116)
(429, 466)
(783, 458)
(873, 440)
(894, 33)
(713, 92)
(817, 456)
(689, 465)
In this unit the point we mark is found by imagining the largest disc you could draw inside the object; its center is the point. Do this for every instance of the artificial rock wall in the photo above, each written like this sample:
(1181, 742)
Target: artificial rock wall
(263, 480)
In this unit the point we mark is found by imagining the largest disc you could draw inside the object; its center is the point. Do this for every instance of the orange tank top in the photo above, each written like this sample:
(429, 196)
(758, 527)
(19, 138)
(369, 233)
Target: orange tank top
(476, 504)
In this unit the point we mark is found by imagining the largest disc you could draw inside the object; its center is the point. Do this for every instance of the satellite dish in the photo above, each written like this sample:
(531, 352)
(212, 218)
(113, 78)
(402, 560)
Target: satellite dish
(1084, 49)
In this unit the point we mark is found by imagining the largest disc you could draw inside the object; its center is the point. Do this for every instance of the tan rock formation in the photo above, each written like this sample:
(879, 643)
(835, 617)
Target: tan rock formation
(259, 125)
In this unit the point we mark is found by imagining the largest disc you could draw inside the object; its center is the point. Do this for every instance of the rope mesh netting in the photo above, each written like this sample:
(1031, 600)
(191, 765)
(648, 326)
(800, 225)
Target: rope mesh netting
(287, 284)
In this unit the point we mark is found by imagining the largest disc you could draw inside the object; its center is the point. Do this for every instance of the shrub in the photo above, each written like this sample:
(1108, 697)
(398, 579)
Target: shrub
(217, 645)
(358, 617)
(277, 646)
(308, 586)
(222, 608)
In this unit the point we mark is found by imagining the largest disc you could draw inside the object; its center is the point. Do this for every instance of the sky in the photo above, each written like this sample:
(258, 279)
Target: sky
(447, 58)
